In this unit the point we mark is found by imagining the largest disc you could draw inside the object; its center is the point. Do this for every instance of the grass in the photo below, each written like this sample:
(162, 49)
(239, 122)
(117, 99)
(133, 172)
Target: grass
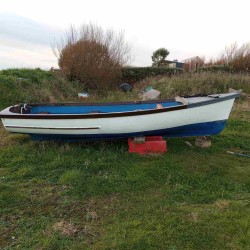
(29, 85)
(95, 195)
(206, 82)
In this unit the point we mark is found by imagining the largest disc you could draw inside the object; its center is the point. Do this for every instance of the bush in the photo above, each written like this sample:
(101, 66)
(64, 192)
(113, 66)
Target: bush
(237, 58)
(93, 56)
(215, 68)
(136, 74)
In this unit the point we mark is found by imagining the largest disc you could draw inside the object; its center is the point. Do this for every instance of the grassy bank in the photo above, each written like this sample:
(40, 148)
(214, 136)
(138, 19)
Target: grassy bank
(27, 85)
(98, 196)
(35, 85)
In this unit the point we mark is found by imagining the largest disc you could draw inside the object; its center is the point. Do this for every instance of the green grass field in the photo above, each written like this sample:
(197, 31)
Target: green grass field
(95, 195)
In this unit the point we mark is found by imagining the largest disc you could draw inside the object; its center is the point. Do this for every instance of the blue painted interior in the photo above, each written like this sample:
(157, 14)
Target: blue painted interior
(98, 109)
(198, 129)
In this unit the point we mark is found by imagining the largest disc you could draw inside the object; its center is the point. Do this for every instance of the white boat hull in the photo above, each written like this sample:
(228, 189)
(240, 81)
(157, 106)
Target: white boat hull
(196, 120)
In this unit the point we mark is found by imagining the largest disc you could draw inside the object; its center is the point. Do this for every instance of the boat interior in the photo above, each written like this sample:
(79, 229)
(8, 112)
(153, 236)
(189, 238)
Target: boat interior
(91, 108)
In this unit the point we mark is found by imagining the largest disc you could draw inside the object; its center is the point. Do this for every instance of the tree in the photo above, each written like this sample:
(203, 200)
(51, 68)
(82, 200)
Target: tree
(93, 56)
(237, 58)
(158, 56)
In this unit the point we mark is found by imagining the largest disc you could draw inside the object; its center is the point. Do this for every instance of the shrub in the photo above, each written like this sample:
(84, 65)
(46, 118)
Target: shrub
(136, 74)
(93, 56)
(215, 68)
(238, 58)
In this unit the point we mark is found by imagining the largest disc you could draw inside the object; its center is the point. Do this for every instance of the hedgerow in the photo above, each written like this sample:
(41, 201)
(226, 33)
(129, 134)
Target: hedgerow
(135, 74)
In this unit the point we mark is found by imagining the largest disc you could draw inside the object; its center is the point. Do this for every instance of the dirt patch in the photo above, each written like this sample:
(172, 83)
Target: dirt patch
(193, 216)
(222, 204)
(65, 228)
(91, 215)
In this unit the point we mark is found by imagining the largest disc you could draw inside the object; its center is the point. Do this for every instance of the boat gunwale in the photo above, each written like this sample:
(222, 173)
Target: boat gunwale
(91, 115)
(11, 115)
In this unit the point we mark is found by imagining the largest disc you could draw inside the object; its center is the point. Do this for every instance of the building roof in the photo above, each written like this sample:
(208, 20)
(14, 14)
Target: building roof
(194, 58)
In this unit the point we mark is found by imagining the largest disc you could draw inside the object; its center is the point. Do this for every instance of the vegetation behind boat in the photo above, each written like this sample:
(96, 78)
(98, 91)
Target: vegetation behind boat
(36, 85)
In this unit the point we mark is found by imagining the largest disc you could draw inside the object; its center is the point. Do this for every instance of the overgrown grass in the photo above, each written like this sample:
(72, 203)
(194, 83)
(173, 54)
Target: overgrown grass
(205, 82)
(35, 85)
(95, 195)
(183, 84)
(28, 85)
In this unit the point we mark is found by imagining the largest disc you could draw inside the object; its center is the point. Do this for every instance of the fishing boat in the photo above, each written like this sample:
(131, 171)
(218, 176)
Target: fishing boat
(200, 115)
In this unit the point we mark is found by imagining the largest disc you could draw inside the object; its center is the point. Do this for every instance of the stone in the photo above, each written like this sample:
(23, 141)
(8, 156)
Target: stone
(203, 142)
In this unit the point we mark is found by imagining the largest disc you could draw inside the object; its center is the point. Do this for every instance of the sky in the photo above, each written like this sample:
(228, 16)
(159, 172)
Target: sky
(187, 28)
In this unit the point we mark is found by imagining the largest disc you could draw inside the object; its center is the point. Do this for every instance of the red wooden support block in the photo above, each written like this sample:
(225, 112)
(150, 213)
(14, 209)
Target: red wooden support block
(151, 145)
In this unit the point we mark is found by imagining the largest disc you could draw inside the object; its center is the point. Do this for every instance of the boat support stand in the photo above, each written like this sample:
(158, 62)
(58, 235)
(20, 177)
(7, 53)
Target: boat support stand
(147, 145)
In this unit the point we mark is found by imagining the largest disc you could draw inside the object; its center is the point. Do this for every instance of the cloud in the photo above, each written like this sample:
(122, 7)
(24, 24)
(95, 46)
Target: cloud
(26, 43)
(21, 58)
(25, 30)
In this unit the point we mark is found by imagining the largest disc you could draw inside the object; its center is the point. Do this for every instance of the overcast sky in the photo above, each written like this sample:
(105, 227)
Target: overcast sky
(185, 27)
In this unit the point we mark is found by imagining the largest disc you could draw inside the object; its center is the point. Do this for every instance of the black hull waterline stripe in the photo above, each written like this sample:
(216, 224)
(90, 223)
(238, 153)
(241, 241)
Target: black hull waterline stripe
(31, 127)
